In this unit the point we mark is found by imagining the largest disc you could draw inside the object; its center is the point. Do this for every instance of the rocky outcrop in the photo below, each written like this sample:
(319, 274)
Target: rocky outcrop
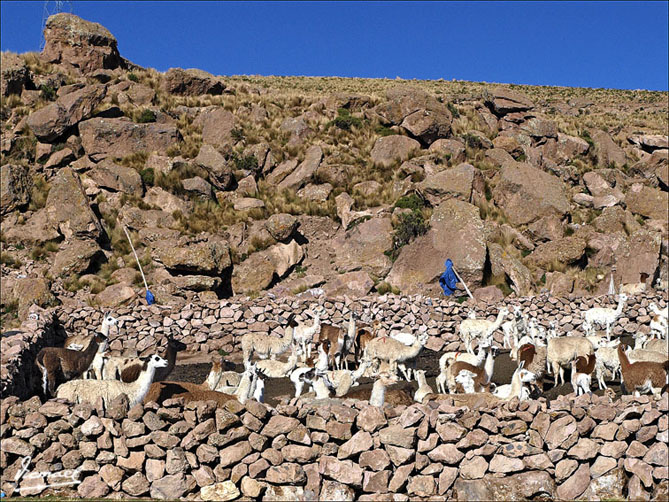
(417, 112)
(52, 121)
(503, 101)
(15, 187)
(217, 124)
(219, 172)
(607, 151)
(526, 194)
(14, 75)
(364, 246)
(68, 209)
(191, 82)
(455, 182)
(456, 232)
(116, 178)
(390, 150)
(84, 45)
(304, 171)
(261, 268)
(211, 257)
(120, 137)
(647, 201)
(562, 251)
(77, 257)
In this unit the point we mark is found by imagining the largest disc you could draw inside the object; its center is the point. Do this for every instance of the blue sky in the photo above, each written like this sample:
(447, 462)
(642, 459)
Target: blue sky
(587, 44)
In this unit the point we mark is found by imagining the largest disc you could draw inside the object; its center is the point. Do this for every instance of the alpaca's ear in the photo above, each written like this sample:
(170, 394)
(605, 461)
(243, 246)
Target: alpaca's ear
(522, 363)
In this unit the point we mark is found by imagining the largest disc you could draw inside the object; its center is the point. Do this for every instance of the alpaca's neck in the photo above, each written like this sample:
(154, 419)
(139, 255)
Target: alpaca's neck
(420, 378)
(143, 383)
(105, 327)
(242, 392)
(360, 371)
(351, 327)
(516, 385)
(619, 309)
(378, 395)
(624, 361)
(321, 389)
(214, 376)
(489, 367)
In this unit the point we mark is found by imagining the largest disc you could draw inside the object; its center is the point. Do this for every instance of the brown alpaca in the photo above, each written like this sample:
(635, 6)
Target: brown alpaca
(534, 359)
(58, 364)
(190, 392)
(131, 372)
(643, 376)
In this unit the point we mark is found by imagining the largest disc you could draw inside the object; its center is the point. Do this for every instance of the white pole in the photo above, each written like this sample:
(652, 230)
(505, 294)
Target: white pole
(463, 283)
(136, 258)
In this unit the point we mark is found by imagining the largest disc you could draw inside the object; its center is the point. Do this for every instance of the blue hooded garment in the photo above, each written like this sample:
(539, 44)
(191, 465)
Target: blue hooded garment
(448, 279)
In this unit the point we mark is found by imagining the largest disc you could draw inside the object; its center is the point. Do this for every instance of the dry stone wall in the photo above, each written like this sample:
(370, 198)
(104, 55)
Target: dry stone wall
(210, 327)
(579, 448)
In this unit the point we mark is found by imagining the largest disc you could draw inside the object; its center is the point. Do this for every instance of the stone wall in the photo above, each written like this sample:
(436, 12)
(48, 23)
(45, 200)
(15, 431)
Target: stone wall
(586, 448)
(207, 328)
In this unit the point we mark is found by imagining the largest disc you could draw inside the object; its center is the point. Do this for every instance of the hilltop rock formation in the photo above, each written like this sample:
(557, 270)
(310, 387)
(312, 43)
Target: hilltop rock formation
(72, 41)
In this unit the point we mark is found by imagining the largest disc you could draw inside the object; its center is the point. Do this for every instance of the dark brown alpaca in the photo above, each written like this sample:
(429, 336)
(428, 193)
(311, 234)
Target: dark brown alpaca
(58, 364)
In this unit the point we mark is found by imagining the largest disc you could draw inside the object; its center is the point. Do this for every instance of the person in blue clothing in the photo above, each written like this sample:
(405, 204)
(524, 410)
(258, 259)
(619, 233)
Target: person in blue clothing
(448, 280)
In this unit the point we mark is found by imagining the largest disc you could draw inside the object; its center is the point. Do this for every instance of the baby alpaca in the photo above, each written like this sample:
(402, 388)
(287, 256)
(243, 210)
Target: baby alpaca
(78, 391)
(423, 388)
(581, 370)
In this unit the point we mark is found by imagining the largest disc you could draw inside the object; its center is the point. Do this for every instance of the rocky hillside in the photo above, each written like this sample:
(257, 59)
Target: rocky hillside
(238, 185)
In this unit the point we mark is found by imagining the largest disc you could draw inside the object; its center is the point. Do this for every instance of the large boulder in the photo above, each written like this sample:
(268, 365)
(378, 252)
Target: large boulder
(281, 226)
(648, 201)
(569, 147)
(77, 257)
(14, 75)
(52, 121)
(353, 284)
(456, 182)
(168, 202)
(32, 290)
(218, 171)
(117, 178)
(650, 142)
(419, 113)
(526, 194)
(36, 230)
(84, 45)
(607, 151)
(217, 124)
(15, 187)
(565, 251)
(364, 246)
(115, 295)
(304, 171)
(638, 258)
(260, 269)
(390, 150)
(502, 101)
(68, 208)
(456, 232)
(102, 137)
(207, 258)
(191, 82)
(503, 263)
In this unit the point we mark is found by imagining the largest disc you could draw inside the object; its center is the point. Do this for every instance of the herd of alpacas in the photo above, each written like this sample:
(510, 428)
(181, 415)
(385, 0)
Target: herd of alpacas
(329, 361)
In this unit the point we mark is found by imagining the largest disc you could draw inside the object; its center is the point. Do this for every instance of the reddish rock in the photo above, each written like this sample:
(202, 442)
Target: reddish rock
(374, 459)
(446, 453)
(393, 149)
(287, 473)
(376, 482)
(343, 471)
(169, 487)
(576, 484)
(92, 487)
(474, 468)
(359, 442)
(421, 486)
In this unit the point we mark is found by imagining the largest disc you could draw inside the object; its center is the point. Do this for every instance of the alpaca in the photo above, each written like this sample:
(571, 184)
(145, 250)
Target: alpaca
(516, 388)
(319, 381)
(658, 326)
(657, 346)
(218, 375)
(423, 388)
(533, 359)
(607, 363)
(129, 371)
(259, 390)
(275, 369)
(643, 376)
(394, 352)
(658, 311)
(191, 392)
(343, 380)
(267, 345)
(581, 370)
(378, 395)
(337, 338)
(562, 351)
(450, 357)
(466, 380)
(485, 371)
(645, 355)
(80, 342)
(605, 316)
(57, 364)
(78, 391)
(303, 334)
(471, 329)
(363, 336)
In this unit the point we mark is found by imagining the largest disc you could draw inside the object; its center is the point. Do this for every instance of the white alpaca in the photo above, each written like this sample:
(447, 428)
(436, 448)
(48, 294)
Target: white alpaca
(658, 326)
(266, 345)
(423, 388)
(607, 363)
(247, 383)
(218, 378)
(378, 396)
(605, 317)
(471, 329)
(259, 390)
(275, 369)
(658, 311)
(78, 391)
(466, 380)
(304, 334)
(580, 381)
(394, 352)
(516, 388)
(488, 368)
(343, 380)
(298, 377)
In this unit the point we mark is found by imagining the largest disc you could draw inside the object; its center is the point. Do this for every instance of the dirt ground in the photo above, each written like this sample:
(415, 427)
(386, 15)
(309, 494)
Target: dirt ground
(196, 368)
